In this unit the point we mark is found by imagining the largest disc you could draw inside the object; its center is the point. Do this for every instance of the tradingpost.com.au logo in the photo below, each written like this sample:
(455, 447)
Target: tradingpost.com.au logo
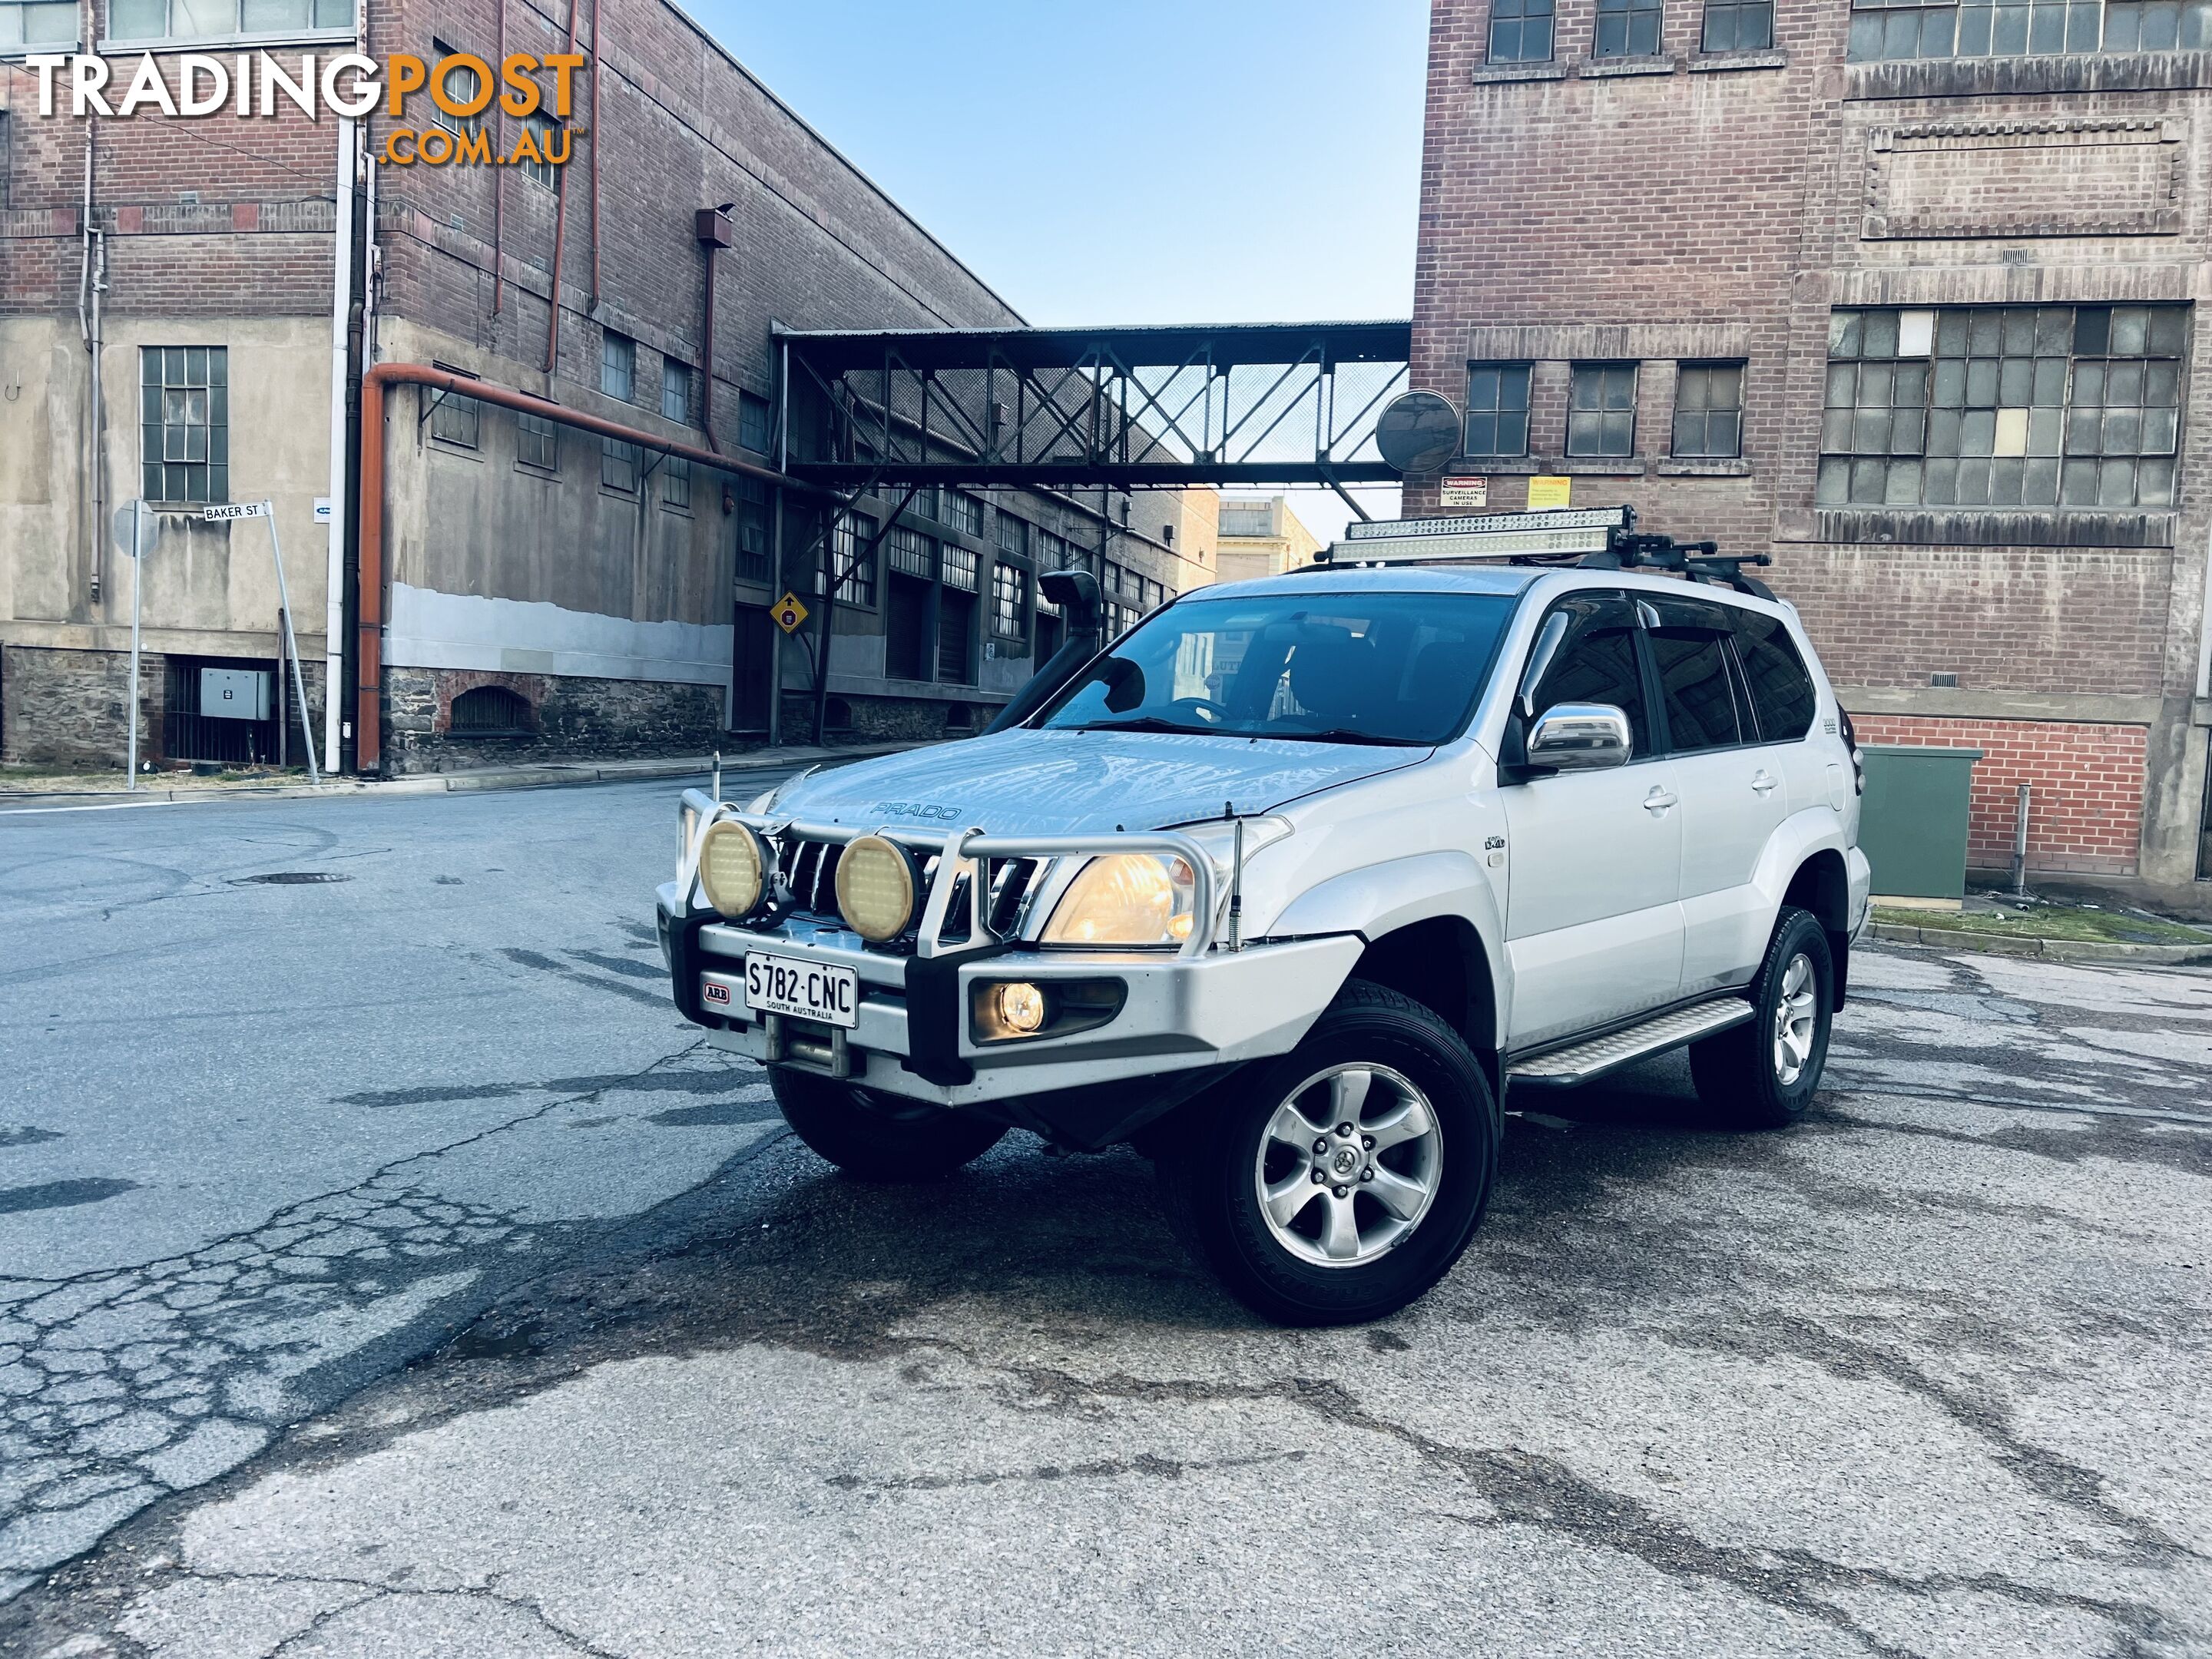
(253, 84)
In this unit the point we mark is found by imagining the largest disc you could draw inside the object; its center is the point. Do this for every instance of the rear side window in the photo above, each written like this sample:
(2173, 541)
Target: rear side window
(1596, 663)
(1689, 648)
(1782, 695)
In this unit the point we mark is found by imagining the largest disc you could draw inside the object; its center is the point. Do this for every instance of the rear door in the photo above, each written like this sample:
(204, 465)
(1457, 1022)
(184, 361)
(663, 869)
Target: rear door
(1593, 930)
(1735, 793)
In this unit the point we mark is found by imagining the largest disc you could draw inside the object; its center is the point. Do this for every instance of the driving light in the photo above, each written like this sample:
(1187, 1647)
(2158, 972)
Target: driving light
(1021, 1007)
(733, 869)
(877, 886)
(1127, 899)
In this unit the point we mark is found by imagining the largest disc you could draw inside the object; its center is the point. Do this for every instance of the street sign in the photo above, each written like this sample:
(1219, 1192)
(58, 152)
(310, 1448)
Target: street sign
(148, 524)
(234, 510)
(789, 613)
(1465, 492)
(322, 509)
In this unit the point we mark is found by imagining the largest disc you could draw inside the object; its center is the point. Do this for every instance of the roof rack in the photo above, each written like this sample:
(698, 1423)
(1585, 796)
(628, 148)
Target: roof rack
(1586, 537)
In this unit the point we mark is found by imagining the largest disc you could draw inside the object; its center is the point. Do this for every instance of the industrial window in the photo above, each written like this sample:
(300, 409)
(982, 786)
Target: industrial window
(184, 416)
(545, 133)
(753, 530)
(619, 466)
(1013, 535)
(1520, 30)
(676, 483)
(923, 505)
(1738, 26)
(675, 390)
(1051, 551)
(754, 430)
(1602, 410)
(1009, 589)
(1893, 29)
(618, 365)
(28, 27)
(1709, 409)
(960, 564)
(2002, 406)
(537, 442)
(463, 85)
(1626, 28)
(1497, 413)
(201, 20)
(491, 711)
(962, 513)
(913, 554)
(454, 419)
(855, 569)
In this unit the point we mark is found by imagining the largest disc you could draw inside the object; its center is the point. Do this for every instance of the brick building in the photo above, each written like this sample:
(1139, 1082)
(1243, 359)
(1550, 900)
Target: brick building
(540, 590)
(1903, 293)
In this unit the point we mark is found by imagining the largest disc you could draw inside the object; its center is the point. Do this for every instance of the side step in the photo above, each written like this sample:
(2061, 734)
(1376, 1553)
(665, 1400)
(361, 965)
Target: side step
(1564, 1067)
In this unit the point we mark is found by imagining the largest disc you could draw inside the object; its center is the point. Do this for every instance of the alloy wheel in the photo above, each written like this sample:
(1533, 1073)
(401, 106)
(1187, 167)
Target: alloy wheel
(1796, 1014)
(1349, 1165)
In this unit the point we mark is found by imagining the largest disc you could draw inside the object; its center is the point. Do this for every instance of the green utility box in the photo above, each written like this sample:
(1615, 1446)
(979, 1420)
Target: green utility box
(1912, 819)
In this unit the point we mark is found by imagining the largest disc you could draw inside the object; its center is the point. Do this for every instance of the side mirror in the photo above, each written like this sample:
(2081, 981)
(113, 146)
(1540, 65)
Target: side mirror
(1580, 737)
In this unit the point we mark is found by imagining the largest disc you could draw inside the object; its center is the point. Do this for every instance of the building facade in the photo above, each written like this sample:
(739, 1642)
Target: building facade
(542, 590)
(1904, 295)
(1263, 538)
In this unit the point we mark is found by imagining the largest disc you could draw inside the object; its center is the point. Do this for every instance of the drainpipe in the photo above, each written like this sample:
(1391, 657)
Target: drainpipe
(560, 231)
(498, 178)
(2205, 626)
(368, 734)
(334, 568)
(712, 227)
(91, 283)
(599, 136)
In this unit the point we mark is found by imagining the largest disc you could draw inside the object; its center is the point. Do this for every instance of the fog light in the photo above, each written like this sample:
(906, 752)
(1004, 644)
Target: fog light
(1021, 1007)
(733, 868)
(878, 884)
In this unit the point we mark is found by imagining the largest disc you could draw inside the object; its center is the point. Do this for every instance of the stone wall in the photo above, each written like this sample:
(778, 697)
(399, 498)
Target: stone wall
(571, 718)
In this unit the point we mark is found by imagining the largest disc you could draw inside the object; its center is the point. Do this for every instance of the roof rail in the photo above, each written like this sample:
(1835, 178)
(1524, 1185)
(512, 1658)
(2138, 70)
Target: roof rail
(1587, 538)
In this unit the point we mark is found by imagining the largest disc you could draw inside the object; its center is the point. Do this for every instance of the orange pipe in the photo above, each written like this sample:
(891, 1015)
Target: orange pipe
(369, 644)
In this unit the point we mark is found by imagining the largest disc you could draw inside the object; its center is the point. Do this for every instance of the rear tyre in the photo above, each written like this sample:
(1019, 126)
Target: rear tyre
(1339, 1183)
(1762, 1074)
(878, 1137)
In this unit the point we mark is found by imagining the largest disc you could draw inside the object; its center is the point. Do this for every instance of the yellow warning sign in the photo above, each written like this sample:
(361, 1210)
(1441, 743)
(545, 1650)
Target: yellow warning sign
(789, 613)
(1549, 492)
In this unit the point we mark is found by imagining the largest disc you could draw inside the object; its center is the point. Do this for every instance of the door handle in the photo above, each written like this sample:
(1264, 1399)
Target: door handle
(1762, 782)
(1660, 799)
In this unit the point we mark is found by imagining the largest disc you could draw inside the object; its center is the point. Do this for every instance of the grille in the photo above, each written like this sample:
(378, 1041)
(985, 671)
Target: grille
(810, 867)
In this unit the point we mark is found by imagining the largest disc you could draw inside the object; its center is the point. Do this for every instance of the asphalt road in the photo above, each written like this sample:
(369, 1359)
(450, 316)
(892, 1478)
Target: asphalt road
(389, 1271)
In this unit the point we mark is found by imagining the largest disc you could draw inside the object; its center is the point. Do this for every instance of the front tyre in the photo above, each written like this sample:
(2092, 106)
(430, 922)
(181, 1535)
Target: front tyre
(1339, 1183)
(878, 1137)
(1762, 1074)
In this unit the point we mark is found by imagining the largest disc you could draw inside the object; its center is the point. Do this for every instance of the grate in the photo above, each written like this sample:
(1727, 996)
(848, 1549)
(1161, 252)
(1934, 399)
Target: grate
(291, 879)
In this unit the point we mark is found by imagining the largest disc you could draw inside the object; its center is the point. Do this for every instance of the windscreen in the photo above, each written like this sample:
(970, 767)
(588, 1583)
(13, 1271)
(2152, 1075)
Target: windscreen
(1386, 668)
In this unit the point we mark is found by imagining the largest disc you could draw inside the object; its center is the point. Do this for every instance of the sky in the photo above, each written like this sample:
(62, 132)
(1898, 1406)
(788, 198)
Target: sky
(1129, 161)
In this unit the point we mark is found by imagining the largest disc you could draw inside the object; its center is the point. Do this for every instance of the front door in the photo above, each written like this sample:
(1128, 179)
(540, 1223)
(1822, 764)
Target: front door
(752, 654)
(1593, 929)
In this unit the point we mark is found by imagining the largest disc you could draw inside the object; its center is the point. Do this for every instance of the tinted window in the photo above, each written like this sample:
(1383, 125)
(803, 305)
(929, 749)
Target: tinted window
(1597, 664)
(1782, 695)
(1693, 677)
(1337, 667)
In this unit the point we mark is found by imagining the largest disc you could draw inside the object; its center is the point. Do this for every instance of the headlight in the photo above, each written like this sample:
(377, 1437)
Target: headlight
(1127, 899)
(733, 869)
(878, 884)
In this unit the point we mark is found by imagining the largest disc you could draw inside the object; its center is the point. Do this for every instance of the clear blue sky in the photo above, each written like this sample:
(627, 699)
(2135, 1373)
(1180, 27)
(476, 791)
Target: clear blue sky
(1128, 161)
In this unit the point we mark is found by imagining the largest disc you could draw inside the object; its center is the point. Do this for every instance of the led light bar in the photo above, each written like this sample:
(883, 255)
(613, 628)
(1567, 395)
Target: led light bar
(1486, 524)
(1561, 532)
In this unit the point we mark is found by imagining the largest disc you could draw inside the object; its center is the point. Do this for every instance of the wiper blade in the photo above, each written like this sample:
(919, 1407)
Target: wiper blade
(1152, 723)
(1345, 734)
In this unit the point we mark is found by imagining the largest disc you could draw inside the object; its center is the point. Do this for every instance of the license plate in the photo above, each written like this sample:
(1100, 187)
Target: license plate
(804, 989)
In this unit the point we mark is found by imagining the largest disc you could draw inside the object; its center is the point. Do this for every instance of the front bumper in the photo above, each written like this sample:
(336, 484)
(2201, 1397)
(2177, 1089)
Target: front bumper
(1179, 1012)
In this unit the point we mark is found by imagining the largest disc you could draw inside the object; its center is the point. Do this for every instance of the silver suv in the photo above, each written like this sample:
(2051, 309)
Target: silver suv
(1289, 888)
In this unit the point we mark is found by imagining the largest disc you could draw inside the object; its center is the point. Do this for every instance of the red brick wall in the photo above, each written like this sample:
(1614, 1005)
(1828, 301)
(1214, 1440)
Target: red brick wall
(2085, 810)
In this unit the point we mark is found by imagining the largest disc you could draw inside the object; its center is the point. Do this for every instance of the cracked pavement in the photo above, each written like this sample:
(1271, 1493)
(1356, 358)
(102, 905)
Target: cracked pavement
(565, 1348)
